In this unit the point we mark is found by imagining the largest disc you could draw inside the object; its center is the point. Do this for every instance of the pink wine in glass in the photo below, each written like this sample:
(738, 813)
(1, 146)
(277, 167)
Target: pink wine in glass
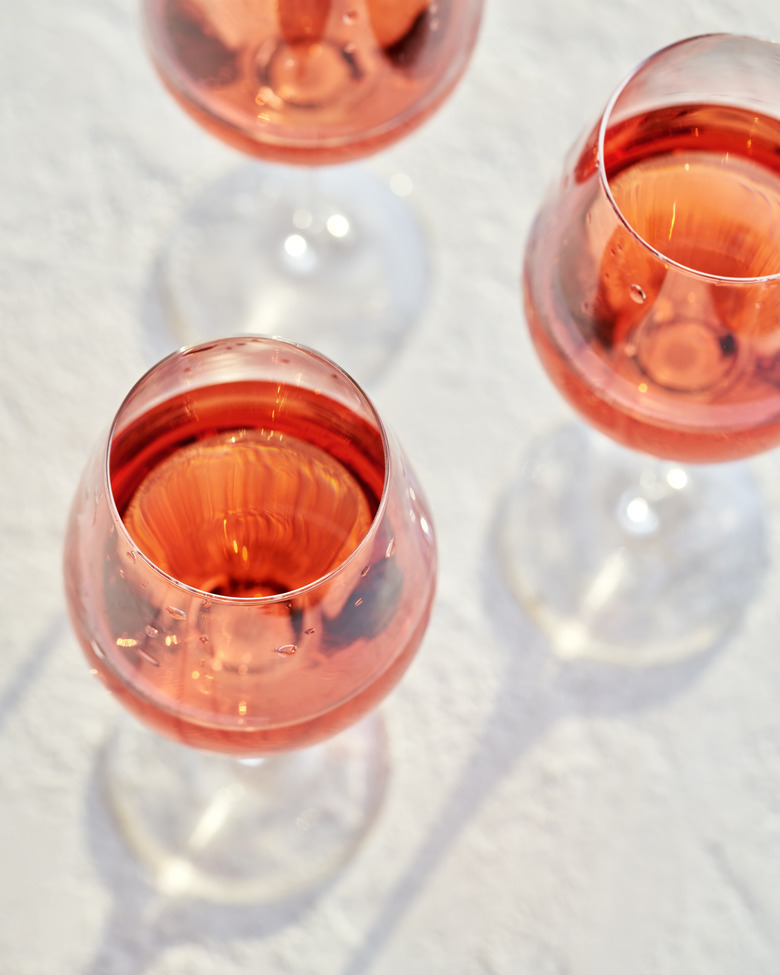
(229, 500)
(255, 590)
(656, 312)
(652, 293)
(311, 81)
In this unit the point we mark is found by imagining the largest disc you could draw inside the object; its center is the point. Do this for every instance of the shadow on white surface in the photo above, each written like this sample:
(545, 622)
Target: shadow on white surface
(32, 666)
(537, 693)
(143, 923)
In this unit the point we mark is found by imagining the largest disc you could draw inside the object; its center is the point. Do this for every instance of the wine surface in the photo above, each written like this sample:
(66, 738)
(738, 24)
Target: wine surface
(670, 346)
(248, 490)
(310, 81)
(247, 511)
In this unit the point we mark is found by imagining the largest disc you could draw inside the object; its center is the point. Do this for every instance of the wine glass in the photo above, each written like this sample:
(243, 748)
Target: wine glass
(310, 83)
(250, 566)
(652, 294)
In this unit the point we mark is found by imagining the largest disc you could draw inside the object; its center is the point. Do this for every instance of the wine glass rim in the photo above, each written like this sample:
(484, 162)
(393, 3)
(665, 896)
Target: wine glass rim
(274, 598)
(604, 126)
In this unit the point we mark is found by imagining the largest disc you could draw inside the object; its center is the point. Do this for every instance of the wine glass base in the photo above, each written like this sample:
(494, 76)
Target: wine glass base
(329, 257)
(628, 560)
(245, 831)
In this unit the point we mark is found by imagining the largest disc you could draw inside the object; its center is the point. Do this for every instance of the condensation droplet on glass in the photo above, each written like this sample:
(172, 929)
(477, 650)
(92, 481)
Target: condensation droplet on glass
(121, 573)
(151, 630)
(350, 16)
(390, 550)
(309, 630)
(424, 525)
(286, 649)
(637, 294)
(242, 708)
(350, 47)
(585, 306)
(366, 570)
(204, 638)
(111, 529)
(359, 601)
(435, 23)
(177, 614)
(131, 556)
(242, 670)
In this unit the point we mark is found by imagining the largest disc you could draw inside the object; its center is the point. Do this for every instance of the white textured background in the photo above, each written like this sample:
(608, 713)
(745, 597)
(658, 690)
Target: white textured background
(543, 819)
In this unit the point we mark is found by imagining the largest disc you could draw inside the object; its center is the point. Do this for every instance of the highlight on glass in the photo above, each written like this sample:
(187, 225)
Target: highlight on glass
(652, 284)
(250, 566)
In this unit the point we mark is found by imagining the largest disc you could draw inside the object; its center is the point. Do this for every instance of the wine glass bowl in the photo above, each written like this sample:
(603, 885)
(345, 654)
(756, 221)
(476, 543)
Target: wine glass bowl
(306, 81)
(651, 285)
(250, 567)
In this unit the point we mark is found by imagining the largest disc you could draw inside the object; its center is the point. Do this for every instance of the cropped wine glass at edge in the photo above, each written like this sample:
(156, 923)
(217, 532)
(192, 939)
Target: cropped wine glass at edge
(250, 567)
(652, 294)
(310, 83)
